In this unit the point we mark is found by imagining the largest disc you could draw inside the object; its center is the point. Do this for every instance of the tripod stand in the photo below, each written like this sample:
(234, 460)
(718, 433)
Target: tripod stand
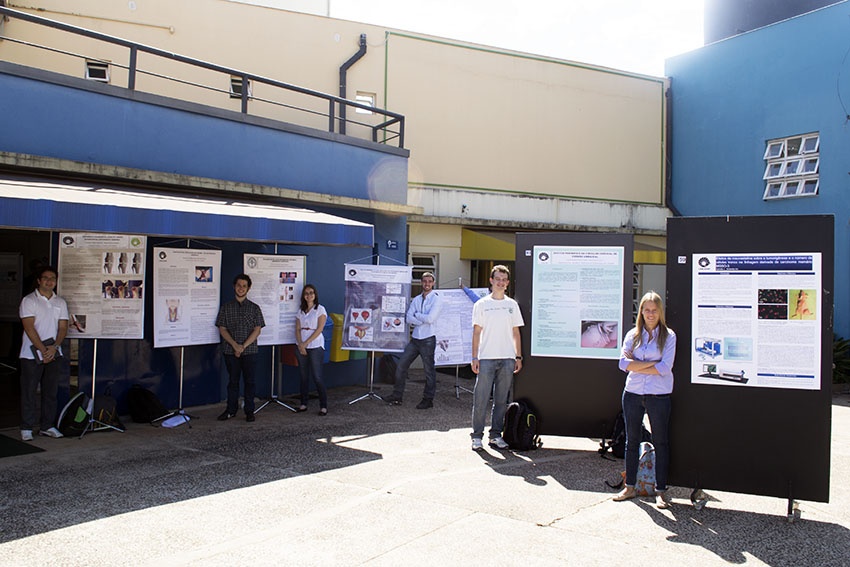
(458, 387)
(184, 417)
(95, 424)
(272, 395)
(371, 393)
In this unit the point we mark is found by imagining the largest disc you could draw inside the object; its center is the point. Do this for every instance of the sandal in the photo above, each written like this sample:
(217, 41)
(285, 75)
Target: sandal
(323, 412)
(626, 494)
(299, 409)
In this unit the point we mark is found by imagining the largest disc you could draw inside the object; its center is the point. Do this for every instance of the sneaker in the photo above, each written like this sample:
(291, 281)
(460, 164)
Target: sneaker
(499, 443)
(26, 434)
(393, 400)
(425, 404)
(225, 416)
(249, 417)
(477, 445)
(52, 432)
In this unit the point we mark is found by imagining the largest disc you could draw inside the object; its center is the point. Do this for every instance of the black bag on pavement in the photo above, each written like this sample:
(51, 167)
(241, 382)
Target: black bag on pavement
(616, 442)
(144, 406)
(520, 431)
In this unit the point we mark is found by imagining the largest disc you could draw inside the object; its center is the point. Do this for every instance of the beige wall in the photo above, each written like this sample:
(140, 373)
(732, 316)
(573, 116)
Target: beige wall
(444, 240)
(477, 117)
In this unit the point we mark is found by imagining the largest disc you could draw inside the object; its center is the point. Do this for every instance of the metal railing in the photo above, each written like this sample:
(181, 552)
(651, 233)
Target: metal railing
(390, 129)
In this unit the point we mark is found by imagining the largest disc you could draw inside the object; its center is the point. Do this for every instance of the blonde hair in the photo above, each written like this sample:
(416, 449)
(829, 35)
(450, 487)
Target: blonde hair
(653, 297)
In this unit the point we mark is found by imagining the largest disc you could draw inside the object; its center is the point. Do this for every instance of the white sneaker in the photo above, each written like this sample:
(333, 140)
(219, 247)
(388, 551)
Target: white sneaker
(26, 434)
(52, 432)
(477, 445)
(499, 443)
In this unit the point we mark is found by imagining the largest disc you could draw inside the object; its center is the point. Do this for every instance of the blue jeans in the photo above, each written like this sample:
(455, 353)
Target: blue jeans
(32, 375)
(658, 409)
(496, 373)
(312, 364)
(245, 366)
(417, 347)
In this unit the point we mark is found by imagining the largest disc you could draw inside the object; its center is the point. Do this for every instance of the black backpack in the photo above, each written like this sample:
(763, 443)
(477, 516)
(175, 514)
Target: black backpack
(521, 427)
(76, 415)
(106, 411)
(144, 406)
(616, 442)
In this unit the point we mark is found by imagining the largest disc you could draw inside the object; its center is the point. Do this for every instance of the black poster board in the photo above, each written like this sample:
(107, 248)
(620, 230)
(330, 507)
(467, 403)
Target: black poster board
(770, 441)
(577, 397)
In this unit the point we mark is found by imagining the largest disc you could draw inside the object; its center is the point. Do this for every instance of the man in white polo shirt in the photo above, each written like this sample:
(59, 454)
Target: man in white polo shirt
(44, 316)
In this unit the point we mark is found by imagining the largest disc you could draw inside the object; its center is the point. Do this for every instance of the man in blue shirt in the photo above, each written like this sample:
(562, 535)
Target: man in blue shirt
(422, 315)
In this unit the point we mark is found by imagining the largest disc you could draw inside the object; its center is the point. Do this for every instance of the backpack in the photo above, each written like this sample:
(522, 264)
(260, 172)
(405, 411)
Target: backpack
(520, 430)
(645, 480)
(106, 411)
(74, 417)
(144, 406)
(616, 442)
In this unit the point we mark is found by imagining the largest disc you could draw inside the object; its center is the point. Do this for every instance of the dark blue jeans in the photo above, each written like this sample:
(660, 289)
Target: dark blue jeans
(245, 366)
(32, 375)
(425, 349)
(308, 365)
(658, 409)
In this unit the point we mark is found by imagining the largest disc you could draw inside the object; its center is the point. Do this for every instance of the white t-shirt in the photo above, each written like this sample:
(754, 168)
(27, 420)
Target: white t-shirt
(497, 319)
(47, 313)
(309, 322)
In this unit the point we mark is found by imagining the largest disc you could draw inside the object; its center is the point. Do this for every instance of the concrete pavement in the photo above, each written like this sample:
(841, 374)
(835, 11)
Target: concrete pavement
(372, 484)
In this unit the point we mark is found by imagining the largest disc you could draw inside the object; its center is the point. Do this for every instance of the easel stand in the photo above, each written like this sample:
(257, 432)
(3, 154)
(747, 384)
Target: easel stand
(371, 393)
(95, 424)
(179, 411)
(272, 395)
(458, 387)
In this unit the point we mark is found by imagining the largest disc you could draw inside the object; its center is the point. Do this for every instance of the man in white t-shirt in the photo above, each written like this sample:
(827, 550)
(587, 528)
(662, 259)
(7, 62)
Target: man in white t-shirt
(496, 356)
(44, 316)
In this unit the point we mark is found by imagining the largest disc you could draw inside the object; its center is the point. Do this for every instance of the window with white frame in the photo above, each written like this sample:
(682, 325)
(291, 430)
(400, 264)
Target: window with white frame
(97, 71)
(364, 98)
(792, 166)
(422, 263)
(236, 86)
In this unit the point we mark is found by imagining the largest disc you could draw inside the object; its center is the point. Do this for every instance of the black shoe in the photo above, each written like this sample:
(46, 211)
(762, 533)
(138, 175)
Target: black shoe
(249, 417)
(426, 403)
(225, 416)
(393, 400)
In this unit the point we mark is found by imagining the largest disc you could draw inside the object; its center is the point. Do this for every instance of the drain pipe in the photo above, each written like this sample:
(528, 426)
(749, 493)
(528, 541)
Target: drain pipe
(343, 71)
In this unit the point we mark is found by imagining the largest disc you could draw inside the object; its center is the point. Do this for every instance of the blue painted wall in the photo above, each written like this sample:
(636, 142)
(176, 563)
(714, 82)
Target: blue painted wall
(730, 97)
(56, 116)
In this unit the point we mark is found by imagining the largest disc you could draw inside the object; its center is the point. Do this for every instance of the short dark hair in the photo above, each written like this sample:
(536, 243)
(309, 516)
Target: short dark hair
(245, 277)
(40, 272)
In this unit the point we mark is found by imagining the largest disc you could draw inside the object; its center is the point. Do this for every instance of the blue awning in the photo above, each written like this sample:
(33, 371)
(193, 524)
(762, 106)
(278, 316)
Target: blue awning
(36, 203)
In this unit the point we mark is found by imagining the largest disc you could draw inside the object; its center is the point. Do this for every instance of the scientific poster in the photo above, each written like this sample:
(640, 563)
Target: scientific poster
(757, 320)
(11, 282)
(577, 301)
(102, 278)
(187, 287)
(454, 327)
(376, 300)
(277, 282)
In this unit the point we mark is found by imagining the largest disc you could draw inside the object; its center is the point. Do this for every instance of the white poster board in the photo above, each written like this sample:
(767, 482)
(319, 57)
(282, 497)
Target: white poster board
(454, 327)
(187, 287)
(277, 283)
(376, 300)
(757, 320)
(11, 282)
(577, 301)
(102, 278)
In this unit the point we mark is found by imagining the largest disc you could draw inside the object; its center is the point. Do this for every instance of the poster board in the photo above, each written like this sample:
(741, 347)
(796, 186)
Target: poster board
(277, 283)
(376, 301)
(11, 285)
(769, 436)
(187, 288)
(102, 279)
(572, 393)
(454, 326)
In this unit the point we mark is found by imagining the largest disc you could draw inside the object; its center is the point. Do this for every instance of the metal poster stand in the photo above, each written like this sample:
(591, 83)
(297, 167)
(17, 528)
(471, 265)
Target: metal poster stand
(179, 411)
(458, 387)
(273, 398)
(371, 393)
(95, 424)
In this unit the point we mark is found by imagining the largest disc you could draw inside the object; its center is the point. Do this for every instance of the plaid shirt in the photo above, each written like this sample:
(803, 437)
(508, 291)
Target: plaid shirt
(240, 319)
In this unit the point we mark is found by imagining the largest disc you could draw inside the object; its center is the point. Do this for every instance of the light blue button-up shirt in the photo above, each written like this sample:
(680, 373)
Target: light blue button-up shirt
(655, 384)
(423, 313)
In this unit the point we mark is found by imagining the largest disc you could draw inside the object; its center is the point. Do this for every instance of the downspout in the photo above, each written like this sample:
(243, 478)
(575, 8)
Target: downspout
(343, 71)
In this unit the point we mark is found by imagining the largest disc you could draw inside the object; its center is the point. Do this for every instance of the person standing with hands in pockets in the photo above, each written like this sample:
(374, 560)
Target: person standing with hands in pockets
(648, 354)
(496, 356)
